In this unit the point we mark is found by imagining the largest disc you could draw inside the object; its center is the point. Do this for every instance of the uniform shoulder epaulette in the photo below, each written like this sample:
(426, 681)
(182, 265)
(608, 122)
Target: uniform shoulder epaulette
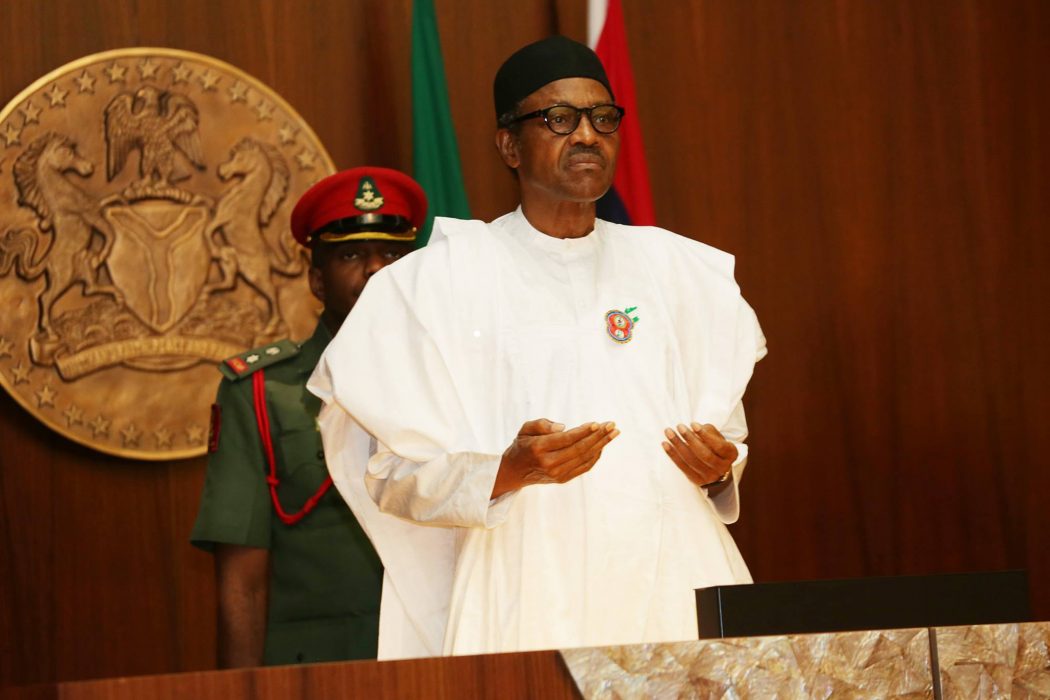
(249, 361)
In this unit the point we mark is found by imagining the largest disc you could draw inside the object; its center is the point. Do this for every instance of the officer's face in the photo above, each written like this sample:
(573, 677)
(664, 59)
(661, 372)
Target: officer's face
(576, 167)
(345, 269)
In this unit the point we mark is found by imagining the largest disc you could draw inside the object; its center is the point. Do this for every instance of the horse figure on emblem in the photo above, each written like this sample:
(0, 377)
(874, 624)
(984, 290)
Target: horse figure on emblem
(259, 177)
(70, 215)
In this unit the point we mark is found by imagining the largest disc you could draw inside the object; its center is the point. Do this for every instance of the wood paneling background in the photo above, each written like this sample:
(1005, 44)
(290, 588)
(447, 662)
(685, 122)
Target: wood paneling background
(880, 170)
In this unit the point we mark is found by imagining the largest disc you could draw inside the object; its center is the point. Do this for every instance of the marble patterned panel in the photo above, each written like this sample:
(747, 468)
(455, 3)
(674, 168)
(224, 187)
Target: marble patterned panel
(855, 665)
(987, 662)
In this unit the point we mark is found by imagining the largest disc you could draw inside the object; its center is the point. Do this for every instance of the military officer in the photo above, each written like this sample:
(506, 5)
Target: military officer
(297, 579)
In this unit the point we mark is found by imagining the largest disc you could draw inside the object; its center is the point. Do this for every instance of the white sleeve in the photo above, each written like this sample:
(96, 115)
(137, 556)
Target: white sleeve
(451, 489)
(419, 561)
(390, 373)
(750, 348)
(727, 503)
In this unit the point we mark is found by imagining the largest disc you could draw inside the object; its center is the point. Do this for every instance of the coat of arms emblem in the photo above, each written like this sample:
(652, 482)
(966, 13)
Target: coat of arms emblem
(144, 201)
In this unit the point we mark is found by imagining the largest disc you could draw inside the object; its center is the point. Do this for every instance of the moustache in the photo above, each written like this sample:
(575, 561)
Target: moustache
(583, 149)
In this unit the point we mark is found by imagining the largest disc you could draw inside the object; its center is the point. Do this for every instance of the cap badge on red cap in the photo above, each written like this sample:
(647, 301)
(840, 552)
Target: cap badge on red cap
(368, 196)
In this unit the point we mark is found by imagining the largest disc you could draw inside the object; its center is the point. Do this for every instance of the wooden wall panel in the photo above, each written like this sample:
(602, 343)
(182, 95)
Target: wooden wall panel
(879, 169)
(875, 165)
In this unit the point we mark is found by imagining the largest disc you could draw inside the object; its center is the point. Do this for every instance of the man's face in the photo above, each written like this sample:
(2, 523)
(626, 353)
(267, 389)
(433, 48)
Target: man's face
(578, 167)
(346, 268)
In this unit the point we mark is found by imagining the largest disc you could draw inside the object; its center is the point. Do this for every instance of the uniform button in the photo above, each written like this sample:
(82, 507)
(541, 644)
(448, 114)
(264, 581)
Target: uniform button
(320, 454)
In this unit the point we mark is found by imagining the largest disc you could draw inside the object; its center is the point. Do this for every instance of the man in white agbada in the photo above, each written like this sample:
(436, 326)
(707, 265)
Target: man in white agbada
(500, 528)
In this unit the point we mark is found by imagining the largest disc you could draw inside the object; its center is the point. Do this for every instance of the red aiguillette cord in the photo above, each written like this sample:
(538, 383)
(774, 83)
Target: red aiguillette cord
(262, 418)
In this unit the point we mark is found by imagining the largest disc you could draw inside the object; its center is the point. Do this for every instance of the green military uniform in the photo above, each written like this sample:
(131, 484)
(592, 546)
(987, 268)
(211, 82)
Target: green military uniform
(325, 579)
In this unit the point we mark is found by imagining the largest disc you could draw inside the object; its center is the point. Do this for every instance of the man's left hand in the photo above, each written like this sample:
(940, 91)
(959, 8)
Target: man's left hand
(701, 453)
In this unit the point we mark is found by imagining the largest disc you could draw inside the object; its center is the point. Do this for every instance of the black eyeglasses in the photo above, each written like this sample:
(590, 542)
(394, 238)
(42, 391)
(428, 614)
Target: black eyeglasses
(563, 119)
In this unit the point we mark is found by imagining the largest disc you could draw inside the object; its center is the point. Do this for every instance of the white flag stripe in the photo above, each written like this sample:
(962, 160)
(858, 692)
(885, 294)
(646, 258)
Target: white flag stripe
(596, 11)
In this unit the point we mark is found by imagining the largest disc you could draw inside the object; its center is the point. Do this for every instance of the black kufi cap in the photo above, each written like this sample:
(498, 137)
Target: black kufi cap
(533, 66)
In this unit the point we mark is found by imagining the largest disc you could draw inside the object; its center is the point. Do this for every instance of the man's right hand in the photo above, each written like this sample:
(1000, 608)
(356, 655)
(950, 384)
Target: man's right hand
(547, 453)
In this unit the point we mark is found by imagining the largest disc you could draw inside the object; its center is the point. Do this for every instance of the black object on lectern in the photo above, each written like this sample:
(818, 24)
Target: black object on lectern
(800, 607)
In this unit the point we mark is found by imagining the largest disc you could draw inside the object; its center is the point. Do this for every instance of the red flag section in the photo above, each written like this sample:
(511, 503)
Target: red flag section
(630, 191)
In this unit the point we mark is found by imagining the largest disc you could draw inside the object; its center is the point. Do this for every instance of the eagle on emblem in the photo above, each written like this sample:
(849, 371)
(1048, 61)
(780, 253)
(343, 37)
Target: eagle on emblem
(160, 125)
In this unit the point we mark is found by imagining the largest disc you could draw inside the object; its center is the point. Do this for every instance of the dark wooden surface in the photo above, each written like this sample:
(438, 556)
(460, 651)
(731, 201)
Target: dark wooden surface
(505, 676)
(879, 168)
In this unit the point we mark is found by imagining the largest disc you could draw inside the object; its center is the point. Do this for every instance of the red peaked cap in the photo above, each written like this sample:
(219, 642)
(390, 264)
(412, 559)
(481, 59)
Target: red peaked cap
(365, 203)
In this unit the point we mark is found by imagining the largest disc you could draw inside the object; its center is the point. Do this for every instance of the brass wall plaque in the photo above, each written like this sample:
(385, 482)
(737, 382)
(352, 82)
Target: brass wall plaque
(145, 195)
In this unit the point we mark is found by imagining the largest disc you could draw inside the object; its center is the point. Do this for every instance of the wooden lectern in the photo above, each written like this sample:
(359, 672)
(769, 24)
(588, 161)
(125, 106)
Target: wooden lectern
(540, 674)
(921, 661)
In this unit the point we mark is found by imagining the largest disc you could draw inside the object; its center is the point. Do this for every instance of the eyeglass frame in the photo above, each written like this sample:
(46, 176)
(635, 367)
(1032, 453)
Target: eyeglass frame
(580, 111)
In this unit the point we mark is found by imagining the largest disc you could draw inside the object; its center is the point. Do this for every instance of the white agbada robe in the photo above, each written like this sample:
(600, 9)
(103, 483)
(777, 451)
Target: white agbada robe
(444, 357)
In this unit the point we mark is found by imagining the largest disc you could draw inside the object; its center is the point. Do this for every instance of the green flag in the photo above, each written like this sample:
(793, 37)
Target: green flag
(435, 154)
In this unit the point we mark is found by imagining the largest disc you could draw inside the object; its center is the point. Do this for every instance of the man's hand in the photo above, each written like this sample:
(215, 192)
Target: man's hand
(546, 453)
(702, 454)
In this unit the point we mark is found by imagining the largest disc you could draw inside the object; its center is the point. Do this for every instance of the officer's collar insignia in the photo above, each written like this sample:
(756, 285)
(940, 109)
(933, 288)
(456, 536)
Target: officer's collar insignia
(620, 324)
(368, 196)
